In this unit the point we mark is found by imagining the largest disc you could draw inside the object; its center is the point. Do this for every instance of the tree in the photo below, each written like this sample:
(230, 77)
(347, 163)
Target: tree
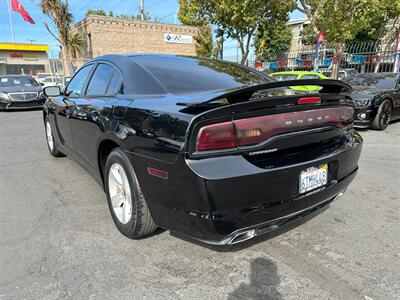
(101, 12)
(59, 14)
(272, 39)
(240, 19)
(204, 41)
(346, 20)
(98, 12)
(190, 14)
(76, 43)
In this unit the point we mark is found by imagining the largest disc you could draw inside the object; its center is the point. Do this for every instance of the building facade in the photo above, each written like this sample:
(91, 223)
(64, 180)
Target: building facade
(109, 35)
(19, 58)
(297, 26)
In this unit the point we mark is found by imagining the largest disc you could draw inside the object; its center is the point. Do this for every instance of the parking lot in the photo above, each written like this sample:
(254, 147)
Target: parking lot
(57, 238)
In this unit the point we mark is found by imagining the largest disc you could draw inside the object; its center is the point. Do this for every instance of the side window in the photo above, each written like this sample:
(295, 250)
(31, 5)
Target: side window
(115, 84)
(101, 78)
(75, 86)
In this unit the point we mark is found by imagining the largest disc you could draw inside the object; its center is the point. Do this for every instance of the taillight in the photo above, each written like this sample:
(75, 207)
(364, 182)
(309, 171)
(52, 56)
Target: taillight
(253, 131)
(308, 100)
(216, 136)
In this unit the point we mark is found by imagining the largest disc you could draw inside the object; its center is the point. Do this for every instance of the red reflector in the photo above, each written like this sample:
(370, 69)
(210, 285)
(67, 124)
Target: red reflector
(307, 100)
(216, 136)
(158, 173)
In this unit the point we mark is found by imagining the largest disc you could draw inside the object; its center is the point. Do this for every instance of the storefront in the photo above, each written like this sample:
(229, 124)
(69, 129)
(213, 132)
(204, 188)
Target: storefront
(18, 58)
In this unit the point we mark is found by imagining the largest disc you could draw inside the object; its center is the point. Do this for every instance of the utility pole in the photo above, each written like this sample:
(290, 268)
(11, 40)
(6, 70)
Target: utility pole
(142, 9)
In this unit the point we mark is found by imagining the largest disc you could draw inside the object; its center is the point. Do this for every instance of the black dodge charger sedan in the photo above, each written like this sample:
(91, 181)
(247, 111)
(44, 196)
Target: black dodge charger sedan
(204, 148)
(20, 92)
(377, 99)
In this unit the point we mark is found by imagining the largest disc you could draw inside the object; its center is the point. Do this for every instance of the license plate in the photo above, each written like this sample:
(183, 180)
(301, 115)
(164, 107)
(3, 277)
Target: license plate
(313, 178)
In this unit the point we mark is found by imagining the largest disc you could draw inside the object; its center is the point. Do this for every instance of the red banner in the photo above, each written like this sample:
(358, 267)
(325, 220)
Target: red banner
(17, 7)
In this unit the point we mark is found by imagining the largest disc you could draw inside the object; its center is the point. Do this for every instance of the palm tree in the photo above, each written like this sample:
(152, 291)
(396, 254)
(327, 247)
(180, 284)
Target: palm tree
(59, 14)
(75, 43)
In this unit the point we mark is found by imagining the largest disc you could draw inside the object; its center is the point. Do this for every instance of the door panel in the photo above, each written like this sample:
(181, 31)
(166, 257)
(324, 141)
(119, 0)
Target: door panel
(63, 112)
(87, 127)
(87, 121)
(66, 106)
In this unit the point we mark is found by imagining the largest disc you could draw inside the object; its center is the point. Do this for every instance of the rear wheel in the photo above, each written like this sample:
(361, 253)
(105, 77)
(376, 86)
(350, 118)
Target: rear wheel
(125, 198)
(382, 118)
(51, 142)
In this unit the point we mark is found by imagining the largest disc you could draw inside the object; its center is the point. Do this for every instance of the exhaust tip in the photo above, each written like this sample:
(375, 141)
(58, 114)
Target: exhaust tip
(243, 236)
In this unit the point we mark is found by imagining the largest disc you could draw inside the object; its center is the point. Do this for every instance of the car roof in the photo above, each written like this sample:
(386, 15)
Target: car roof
(296, 73)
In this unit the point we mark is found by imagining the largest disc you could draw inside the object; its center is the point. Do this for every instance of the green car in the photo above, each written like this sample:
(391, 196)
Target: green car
(294, 75)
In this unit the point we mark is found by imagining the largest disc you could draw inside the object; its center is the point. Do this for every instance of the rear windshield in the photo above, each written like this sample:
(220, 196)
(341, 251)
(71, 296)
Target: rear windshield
(182, 75)
(281, 77)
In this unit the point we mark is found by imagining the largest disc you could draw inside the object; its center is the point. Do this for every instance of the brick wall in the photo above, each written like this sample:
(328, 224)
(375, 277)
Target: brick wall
(110, 35)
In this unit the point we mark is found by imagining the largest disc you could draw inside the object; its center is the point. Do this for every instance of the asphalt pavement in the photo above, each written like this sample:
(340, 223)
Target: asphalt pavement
(58, 241)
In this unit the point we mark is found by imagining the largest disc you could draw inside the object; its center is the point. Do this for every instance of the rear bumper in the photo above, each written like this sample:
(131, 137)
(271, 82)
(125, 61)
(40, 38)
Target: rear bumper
(4, 105)
(247, 233)
(215, 200)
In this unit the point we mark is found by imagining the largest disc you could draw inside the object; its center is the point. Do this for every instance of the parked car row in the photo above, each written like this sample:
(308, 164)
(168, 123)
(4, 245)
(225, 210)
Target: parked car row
(48, 79)
(376, 96)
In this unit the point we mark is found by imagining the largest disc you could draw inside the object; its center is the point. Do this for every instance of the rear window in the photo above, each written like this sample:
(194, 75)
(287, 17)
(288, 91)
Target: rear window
(310, 76)
(183, 75)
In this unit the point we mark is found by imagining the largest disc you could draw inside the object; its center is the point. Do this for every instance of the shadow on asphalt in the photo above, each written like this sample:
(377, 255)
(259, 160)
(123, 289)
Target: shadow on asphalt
(264, 280)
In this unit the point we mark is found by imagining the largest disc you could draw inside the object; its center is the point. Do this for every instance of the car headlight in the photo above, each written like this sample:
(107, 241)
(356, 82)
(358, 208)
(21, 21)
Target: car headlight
(363, 102)
(4, 96)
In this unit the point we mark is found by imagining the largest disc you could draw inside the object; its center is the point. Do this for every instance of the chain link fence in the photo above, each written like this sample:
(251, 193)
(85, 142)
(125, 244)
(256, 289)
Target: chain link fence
(50, 67)
(359, 58)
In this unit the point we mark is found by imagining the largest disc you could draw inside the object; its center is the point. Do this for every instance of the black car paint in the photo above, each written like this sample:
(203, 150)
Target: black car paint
(206, 197)
(7, 104)
(376, 97)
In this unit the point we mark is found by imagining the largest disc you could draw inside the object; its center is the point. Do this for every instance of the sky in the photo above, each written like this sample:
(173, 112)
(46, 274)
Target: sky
(37, 33)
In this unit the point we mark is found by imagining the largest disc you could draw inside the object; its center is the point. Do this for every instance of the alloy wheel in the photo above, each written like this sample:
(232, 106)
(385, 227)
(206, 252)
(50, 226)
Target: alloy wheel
(49, 136)
(120, 193)
(385, 114)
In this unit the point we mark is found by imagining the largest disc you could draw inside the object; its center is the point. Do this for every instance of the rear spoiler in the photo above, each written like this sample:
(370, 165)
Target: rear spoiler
(329, 86)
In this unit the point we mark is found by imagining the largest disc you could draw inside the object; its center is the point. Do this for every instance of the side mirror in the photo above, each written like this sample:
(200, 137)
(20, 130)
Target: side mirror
(52, 91)
(42, 84)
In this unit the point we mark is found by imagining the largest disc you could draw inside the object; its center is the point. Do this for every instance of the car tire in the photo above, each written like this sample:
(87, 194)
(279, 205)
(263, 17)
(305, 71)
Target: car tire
(125, 199)
(382, 118)
(51, 142)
